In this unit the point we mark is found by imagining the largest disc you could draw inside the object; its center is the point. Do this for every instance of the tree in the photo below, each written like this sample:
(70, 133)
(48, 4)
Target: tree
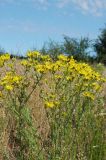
(77, 48)
(52, 48)
(100, 46)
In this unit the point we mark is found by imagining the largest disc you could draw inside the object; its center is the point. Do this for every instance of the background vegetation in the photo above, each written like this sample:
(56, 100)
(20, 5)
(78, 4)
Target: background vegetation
(83, 49)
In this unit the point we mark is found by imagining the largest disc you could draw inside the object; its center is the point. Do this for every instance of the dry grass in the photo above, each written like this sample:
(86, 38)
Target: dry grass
(38, 113)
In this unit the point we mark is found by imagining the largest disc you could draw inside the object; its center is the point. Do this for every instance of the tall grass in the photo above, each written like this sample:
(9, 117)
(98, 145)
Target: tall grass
(73, 103)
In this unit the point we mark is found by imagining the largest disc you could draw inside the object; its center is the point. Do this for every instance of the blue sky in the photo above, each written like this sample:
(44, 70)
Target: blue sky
(25, 24)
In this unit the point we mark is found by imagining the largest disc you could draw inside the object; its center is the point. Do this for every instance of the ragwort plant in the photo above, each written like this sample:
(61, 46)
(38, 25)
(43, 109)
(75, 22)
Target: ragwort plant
(72, 96)
(23, 137)
(73, 106)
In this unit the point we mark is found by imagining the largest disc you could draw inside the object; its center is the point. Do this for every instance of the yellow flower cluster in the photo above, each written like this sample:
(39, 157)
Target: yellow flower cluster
(63, 58)
(3, 59)
(89, 95)
(33, 54)
(51, 104)
(66, 69)
(10, 80)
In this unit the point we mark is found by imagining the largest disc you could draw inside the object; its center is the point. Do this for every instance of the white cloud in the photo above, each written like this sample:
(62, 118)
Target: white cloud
(38, 4)
(83, 4)
(94, 7)
(62, 3)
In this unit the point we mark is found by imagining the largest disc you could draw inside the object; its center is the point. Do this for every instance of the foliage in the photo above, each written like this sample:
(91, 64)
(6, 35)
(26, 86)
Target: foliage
(70, 47)
(77, 48)
(100, 46)
(52, 48)
(70, 92)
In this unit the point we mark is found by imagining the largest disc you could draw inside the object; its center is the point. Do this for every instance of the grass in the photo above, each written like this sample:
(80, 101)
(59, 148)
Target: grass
(71, 129)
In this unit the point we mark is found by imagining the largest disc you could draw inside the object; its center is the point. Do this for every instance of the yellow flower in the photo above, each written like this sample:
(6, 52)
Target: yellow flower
(17, 79)
(11, 65)
(96, 86)
(48, 65)
(10, 80)
(9, 87)
(33, 54)
(49, 104)
(69, 78)
(62, 57)
(45, 57)
(4, 58)
(58, 76)
(40, 68)
(89, 95)
(24, 62)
